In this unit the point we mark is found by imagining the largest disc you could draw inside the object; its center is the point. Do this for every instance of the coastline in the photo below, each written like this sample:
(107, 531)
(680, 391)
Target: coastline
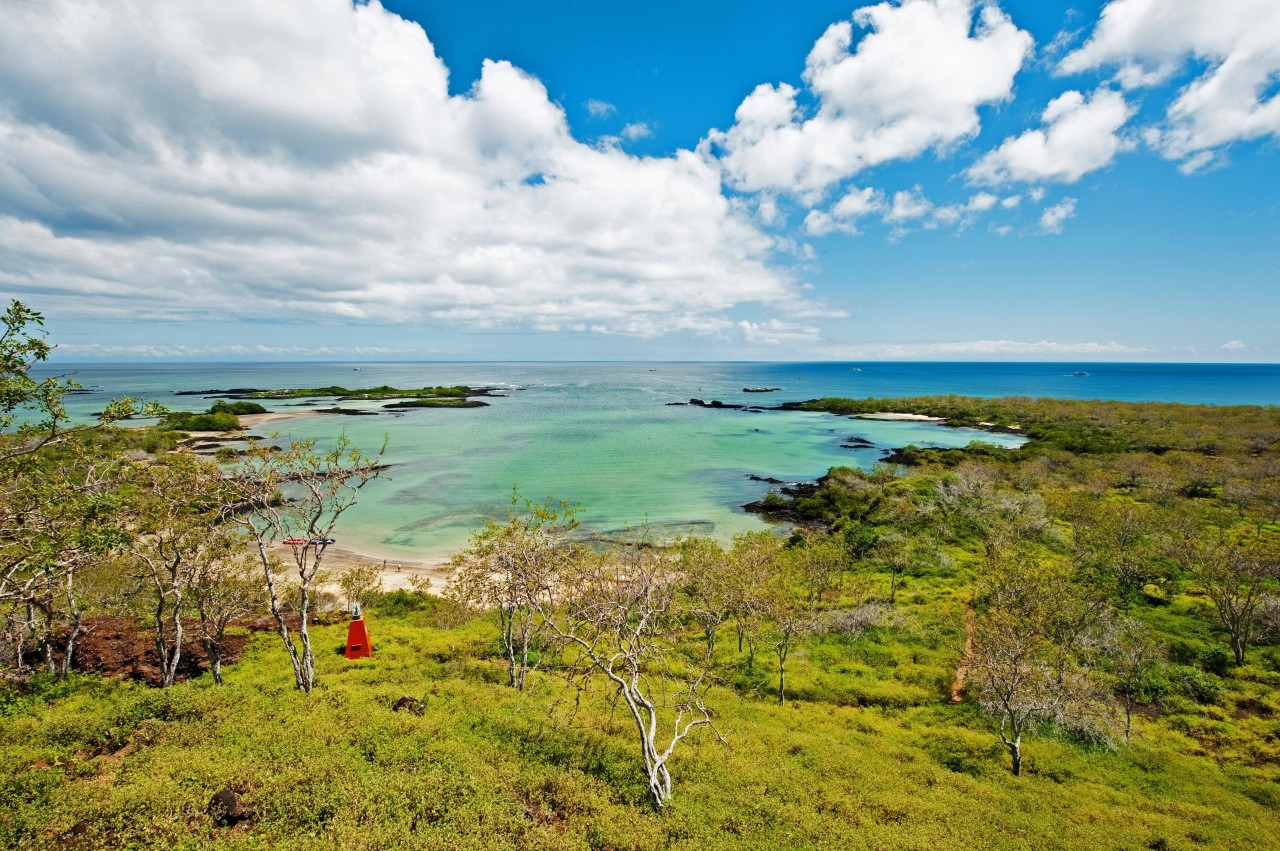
(340, 558)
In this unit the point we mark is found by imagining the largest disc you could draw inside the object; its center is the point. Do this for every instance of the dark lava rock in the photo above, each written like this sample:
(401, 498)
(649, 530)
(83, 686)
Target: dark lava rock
(228, 809)
(218, 392)
(769, 480)
(760, 389)
(347, 412)
(714, 403)
(408, 704)
(856, 443)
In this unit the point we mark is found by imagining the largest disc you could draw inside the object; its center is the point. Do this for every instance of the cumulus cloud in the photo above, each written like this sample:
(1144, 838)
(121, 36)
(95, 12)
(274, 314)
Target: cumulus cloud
(1080, 135)
(913, 83)
(636, 130)
(984, 349)
(845, 213)
(775, 332)
(1233, 345)
(1054, 217)
(179, 350)
(600, 108)
(1236, 42)
(304, 158)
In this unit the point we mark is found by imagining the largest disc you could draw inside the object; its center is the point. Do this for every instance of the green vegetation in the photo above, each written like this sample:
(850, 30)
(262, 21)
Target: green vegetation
(222, 406)
(439, 403)
(186, 421)
(1075, 644)
(221, 416)
(373, 393)
(1085, 427)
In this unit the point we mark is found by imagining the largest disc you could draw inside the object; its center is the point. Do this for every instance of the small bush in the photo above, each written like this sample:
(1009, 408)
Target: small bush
(1216, 660)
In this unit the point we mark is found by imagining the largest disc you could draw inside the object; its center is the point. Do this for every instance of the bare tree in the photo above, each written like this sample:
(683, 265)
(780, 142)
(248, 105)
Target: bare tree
(1235, 572)
(751, 564)
(902, 555)
(708, 584)
(298, 494)
(359, 583)
(223, 590)
(176, 533)
(1132, 655)
(512, 568)
(620, 612)
(1022, 669)
(60, 522)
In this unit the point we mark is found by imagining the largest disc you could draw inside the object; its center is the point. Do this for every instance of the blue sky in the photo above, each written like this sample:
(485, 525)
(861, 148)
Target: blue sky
(926, 179)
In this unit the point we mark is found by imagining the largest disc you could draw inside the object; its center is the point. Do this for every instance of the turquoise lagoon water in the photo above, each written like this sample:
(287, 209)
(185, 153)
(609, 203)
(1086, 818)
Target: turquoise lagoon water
(602, 434)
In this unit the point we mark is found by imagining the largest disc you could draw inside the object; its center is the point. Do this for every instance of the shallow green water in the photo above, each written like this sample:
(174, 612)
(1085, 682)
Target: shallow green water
(607, 441)
(596, 434)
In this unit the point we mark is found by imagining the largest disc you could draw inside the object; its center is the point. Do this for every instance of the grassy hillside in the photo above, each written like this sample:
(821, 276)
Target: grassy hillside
(867, 755)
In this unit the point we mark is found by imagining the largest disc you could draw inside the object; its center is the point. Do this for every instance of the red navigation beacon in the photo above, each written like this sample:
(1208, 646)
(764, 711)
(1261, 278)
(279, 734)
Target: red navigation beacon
(358, 644)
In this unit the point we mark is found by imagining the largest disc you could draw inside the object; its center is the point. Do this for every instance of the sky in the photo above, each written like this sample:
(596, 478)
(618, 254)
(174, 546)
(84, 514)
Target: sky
(430, 180)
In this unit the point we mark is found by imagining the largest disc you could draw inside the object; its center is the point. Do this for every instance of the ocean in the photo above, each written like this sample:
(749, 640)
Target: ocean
(603, 436)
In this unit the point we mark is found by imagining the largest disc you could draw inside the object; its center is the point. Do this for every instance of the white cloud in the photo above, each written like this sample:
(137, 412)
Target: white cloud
(845, 213)
(1233, 345)
(913, 83)
(1053, 218)
(1080, 135)
(600, 108)
(179, 350)
(775, 332)
(304, 158)
(1011, 202)
(982, 202)
(983, 349)
(636, 130)
(908, 206)
(1236, 41)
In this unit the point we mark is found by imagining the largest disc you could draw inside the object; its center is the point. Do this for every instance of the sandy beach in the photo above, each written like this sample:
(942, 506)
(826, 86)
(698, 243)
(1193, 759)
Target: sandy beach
(889, 415)
(338, 559)
(249, 421)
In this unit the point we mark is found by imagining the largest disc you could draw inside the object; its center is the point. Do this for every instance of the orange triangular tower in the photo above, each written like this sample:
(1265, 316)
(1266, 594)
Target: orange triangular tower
(358, 644)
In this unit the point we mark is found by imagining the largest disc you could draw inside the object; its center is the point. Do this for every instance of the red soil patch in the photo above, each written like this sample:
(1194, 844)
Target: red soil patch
(120, 647)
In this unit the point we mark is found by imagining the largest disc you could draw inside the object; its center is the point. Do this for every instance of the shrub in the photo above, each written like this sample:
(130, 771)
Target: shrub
(183, 421)
(1215, 660)
(222, 406)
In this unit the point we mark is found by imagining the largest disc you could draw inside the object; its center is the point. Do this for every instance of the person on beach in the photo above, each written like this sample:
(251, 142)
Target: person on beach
(397, 565)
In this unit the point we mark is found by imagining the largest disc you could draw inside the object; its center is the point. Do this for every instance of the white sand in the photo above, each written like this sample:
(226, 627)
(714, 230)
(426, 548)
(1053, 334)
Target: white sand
(888, 415)
(338, 559)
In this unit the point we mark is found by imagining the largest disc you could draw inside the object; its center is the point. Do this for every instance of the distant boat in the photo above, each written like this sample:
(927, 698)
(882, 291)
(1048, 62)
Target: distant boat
(1080, 373)
(355, 369)
(856, 369)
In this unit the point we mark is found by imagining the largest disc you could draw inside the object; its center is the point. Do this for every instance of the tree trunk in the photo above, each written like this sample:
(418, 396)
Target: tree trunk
(77, 621)
(274, 600)
(308, 658)
(782, 673)
(1015, 754)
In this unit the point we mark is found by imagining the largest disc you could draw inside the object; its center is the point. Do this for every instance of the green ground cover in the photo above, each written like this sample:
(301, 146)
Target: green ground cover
(868, 754)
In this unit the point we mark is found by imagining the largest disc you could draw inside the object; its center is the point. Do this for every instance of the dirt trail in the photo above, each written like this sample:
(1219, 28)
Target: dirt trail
(962, 672)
